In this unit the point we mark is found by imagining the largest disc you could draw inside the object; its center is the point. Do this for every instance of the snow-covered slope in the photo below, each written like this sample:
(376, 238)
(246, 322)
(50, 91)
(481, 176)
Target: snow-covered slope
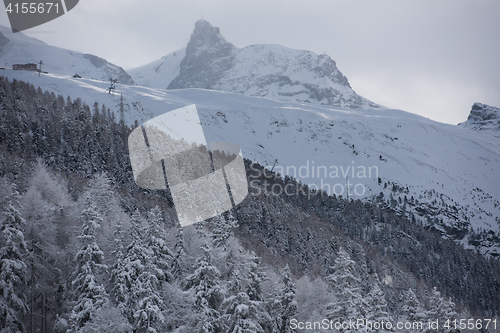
(275, 71)
(447, 176)
(17, 48)
(484, 117)
(159, 73)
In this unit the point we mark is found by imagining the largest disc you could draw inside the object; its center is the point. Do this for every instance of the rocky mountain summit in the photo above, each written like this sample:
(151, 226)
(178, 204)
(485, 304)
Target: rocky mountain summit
(274, 71)
(483, 117)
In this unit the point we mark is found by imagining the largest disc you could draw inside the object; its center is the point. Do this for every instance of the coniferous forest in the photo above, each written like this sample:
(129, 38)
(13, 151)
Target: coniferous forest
(83, 249)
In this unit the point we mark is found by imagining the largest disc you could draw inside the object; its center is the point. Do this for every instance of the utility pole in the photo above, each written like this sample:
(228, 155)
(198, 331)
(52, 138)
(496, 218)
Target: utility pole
(40, 70)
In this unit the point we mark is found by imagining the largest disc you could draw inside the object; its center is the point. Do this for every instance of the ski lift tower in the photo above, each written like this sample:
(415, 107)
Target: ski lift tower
(112, 85)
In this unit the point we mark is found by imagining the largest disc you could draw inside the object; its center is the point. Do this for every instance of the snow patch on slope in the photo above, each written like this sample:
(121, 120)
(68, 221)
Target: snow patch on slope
(159, 73)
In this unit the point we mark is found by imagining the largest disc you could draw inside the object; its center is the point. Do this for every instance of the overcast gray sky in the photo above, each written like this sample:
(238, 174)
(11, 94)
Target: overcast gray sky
(430, 57)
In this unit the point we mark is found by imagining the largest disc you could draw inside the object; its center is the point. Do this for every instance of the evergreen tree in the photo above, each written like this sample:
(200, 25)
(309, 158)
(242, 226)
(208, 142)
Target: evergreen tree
(156, 241)
(255, 278)
(179, 253)
(180, 247)
(102, 194)
(91, 295)
(222, 230)
(12, 267)
(348, 304)
(412, 308)
(208, 293)
(107, 320)
(287, 302)
(242, 315)
(148, 312)
(127, 274)
(119, 275)
(138, 278)
(235, 284)
(440, 308)
(376, 309)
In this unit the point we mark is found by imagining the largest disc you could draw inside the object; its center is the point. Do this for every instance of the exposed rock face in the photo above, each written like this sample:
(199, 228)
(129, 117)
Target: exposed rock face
(483, 117)
(272, 71)
(208, 56)
(109, 69)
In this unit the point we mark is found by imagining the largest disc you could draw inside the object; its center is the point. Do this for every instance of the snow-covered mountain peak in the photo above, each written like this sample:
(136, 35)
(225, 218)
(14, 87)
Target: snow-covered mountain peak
(483, 117)
(208, 56)
(271, 71)
(207, 39)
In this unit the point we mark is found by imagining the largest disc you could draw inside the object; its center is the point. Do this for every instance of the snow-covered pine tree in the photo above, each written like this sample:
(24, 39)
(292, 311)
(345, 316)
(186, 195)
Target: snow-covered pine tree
(222, 230)
(102, 194)
(200, 230)
(107, 205)
(120, 278)
(204, 282)
(180, 247)
(287, 302)
(376, 309)
(440, 308)
(139, 273)
(136, 284)
(179, 253)
(148, 312)
(349, 303)
(412, 308)
(156, 240)
(242, 315)
(12, 267)
(234, 285)
(127, 273)
(448, 309)
(255, 278)
(108, 319)
(91, 295)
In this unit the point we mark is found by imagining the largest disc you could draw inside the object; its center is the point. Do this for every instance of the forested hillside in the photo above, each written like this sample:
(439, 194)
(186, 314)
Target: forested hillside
(83, 249)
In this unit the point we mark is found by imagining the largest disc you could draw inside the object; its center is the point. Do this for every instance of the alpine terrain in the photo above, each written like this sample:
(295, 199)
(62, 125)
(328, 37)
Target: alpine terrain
(17, 48)
(483, 117)
(355, 211)
(211, 62)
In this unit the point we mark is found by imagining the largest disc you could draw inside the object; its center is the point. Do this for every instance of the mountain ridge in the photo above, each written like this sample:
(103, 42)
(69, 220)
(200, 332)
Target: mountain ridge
(17, 48)
(263, 70)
